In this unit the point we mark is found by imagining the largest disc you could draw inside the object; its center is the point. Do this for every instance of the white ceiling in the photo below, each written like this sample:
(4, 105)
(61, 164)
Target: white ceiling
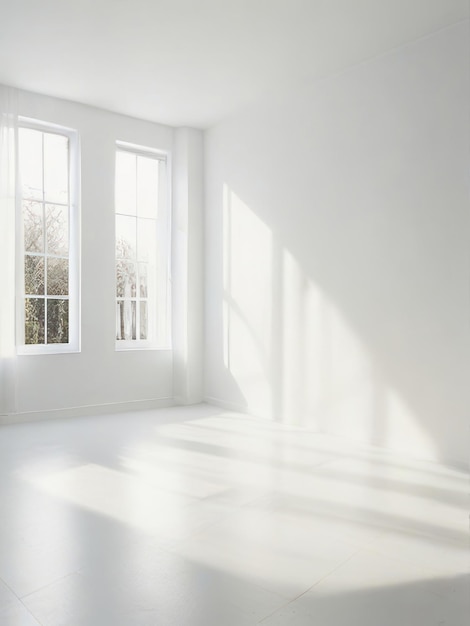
(192, 62)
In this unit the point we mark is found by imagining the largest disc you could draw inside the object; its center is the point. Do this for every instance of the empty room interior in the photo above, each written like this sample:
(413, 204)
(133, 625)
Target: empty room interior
(234, 313)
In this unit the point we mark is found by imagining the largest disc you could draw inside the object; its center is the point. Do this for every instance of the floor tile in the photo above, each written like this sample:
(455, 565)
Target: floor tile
(379, 590)
(147, 588)
(279, 553)
(6, 595)
(16, 614)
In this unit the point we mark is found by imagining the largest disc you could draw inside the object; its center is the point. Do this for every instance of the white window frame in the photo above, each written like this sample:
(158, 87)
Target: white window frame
(74, 344)
(163, 238)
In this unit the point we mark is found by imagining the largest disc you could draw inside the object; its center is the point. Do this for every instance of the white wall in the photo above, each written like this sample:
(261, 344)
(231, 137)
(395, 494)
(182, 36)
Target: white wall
(98, 375)
(187, 264)
(337, 238)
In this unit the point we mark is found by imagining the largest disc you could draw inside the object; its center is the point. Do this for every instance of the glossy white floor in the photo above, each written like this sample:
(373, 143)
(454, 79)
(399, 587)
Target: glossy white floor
(199, 517)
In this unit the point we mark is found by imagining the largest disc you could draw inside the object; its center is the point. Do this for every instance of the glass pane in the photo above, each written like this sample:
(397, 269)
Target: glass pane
(147, 187)
(56, 168)
(34, 320)
(57, 321)
(125, 237)
(143, 280)
(119, 320)
(33, 226)
(146, 240)
(125, 279)
(57, 229)
(30, 161)
(133, 320)
(125, 320)
(125, 189)
(34, 274)
(143, 320)
(57, 277)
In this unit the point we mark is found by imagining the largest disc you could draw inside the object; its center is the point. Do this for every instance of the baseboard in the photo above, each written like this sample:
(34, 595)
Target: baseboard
(223, 404)
(184, 401)
(238, 407)
(87, 410)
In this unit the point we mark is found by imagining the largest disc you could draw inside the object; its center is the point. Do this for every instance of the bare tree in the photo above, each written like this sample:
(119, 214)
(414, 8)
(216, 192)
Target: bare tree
(46, 233)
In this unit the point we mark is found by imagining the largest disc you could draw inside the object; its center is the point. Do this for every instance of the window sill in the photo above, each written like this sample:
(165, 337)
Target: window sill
(127, 346)
(46, 350)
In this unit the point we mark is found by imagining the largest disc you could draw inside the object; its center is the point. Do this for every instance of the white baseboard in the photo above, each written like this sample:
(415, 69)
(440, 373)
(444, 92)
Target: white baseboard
(230, 406)
(237, 407)
(87, 410)
(184, 401)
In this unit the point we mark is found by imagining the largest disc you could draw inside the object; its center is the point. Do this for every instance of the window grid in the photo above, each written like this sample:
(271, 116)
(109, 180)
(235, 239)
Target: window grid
(45, 297)
(140, 302)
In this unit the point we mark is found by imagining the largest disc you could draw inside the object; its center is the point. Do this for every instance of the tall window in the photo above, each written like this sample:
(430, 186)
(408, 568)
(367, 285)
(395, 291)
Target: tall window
(142, 249)
(48, 311)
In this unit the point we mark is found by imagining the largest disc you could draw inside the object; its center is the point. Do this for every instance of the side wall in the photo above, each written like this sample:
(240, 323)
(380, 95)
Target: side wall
(337, 239)
(98, 375)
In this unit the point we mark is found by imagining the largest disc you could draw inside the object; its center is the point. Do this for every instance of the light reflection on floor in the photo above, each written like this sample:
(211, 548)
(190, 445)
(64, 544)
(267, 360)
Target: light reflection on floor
(198, 516)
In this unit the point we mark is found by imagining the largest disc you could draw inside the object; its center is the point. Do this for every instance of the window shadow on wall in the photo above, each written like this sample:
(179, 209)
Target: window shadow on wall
(313, 333)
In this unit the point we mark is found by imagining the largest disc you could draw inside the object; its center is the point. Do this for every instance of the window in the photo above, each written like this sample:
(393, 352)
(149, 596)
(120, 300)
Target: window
(142, 249)
(48, 218)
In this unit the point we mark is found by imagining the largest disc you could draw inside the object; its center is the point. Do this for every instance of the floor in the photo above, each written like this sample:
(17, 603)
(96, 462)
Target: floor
(200, 517)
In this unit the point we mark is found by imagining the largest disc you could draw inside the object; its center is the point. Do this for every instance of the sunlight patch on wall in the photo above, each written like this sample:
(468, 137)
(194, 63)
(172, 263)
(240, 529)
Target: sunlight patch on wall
(405, 432)
(323, 359)
(247, 300)
(293, 352)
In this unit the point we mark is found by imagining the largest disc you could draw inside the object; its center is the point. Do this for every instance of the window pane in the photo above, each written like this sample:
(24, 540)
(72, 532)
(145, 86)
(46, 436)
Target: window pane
(146, 240)
(125, 183)
(141, 245)
(147, 187)
(34, 275)
(57, 277)
(57, 229)
(125, 279)
(133, 321)
(33, 226)
(143, 320)
(125, 237)
(43, 174)
(30, 158)
(56, 184)
(143, 280)
(125, 320)
(34, 321)
(119, 320)
(57, 321)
